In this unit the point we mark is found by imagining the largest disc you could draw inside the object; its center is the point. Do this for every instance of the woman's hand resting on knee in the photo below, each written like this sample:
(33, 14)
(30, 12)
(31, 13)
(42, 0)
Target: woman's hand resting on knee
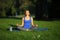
(19, 25)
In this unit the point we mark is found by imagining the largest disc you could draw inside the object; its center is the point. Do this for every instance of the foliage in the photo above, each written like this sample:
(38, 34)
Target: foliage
(23, 5)
(4, 4)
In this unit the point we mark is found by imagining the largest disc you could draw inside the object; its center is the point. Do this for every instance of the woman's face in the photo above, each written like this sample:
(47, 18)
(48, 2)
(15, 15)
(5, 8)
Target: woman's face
(27, 13)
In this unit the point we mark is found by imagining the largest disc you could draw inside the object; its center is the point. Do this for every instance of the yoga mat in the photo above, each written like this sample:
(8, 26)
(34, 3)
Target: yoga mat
(38, 29)
(41, 29)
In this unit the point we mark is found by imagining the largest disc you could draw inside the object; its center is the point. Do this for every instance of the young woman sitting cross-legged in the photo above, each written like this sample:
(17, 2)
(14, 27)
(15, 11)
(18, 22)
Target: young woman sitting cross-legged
(27, 22)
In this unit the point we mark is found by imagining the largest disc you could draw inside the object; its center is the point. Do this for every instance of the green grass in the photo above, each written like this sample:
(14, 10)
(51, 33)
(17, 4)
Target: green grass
(52, 34)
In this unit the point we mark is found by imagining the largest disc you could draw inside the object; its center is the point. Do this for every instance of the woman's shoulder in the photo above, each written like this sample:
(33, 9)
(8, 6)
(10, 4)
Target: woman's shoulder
(23, 17)
(31, 17)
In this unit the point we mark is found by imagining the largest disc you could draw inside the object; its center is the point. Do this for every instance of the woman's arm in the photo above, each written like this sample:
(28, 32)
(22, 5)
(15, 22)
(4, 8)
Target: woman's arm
(33, 22)
(22, 22)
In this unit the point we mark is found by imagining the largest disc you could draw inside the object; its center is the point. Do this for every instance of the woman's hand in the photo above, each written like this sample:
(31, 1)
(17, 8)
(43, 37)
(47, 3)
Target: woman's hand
(19, 25)
(36, 25)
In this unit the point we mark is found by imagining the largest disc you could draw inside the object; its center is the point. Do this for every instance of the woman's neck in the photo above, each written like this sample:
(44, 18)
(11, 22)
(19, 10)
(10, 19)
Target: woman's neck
(27, 16)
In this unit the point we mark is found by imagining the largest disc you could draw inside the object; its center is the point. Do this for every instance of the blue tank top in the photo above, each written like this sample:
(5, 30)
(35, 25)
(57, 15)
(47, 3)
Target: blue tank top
(27, 23)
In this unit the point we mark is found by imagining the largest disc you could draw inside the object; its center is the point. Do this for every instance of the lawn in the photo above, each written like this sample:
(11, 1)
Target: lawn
(52, 34)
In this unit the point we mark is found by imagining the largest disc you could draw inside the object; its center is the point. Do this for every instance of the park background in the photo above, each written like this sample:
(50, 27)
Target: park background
(45, 14)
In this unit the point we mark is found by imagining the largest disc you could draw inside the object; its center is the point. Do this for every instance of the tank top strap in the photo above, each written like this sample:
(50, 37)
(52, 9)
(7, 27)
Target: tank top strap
(24, 17)
(30, 17)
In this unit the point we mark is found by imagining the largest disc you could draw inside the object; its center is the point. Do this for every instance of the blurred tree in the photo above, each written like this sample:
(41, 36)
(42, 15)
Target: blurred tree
(39, 9)
(17, 4)
(28, 4)
(4, 5)
(13, 11)
(10, 7)
(55, 10)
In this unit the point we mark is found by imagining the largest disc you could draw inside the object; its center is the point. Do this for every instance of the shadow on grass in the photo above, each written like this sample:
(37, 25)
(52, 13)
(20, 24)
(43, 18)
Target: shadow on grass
(13, 26)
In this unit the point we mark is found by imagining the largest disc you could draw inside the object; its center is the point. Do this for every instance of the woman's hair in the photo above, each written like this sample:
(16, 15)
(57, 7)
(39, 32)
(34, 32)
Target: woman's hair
(25, 12)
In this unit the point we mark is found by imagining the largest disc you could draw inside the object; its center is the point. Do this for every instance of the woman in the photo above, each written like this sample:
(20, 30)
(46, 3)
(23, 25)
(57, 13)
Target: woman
(27, 22)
